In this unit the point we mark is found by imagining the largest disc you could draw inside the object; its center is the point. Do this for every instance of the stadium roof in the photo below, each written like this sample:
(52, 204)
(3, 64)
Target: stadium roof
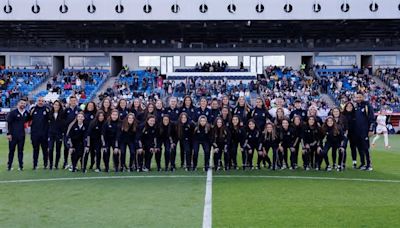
(344, 35)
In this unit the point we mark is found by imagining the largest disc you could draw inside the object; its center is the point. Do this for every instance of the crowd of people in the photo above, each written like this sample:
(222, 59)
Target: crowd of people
(344, 86)
(132, 133)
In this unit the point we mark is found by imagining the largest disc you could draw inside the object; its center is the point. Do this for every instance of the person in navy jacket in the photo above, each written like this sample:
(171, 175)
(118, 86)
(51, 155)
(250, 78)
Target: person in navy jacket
(55, 133)
(16, 120)
(39, 117)
(203, 110)
(364, 123)
(172, 111)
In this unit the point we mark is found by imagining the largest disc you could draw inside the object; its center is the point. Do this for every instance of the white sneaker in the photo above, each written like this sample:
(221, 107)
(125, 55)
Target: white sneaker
(145, 170)
(97, 170)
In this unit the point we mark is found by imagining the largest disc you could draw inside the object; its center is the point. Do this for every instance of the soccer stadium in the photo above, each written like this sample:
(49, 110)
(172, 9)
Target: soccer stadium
(199, 113)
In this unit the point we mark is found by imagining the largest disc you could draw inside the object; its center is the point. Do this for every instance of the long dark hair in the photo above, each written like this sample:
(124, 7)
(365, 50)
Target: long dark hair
(162, 126)
(61, 107)
(219, 132)
(335, 128)
(94, 107)
(96, 121)
(179, 126)
(129, 127)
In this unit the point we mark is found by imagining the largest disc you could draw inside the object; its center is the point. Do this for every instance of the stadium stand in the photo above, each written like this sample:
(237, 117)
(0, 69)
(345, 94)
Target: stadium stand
(16, 83)
(80, 82)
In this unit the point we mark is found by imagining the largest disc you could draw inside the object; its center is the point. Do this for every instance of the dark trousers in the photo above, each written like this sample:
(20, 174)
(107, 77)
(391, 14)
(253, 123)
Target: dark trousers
(247, 157)
(353, 148)
(40, 141)
(283, 156)
(169, 154)
(266, 158)
(16, 142)
(362, 144)
(187, 150)
(95, 154)
(309, 156)
(54, 140)
(132, 154)
(206, 148)
(183, 153)
(148, 155)
(218, 156)
(77, 155)
(66, 151)
(233, 148)
(106, 158)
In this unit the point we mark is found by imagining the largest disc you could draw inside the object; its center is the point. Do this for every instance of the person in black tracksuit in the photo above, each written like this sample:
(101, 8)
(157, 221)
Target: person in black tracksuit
(69, 115)
(128, 140)
(269, 140)
(342, 124)
(137, 110)
(202, 136)
(191, 112)
(188, 108)
(147, 144)
(251, 144)
(150, 110)
(172, 111)
(226, 116)
(93, 140)
(55, 133)
(39, 115)
(90, 112)
(238, 135)
(202, 110)
(286, 137)
(221, 140)
(334, 140)
(242, 110)
(122, 108)
(168, 139)
(364, 124)
(311, 142)
(76, 140)
(349, 114)
(298, 111)
(298, 134)
(184, 132)
(16, 120)
(110, 140)
(214, 111)
(260, 114)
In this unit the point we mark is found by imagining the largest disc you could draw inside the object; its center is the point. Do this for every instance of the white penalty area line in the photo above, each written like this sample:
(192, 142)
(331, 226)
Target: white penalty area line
(209, 178)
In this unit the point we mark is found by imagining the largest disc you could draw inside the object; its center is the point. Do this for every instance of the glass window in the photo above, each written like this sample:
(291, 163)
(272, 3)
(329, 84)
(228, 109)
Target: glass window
(385, 60)
(246, 61)
(146, 61)
(274, 60)
(41, 61)
(76, 61)
(20, 60)
(348, 60)
(97, 61)
(190, 61)
(328, 60)
(177, 61)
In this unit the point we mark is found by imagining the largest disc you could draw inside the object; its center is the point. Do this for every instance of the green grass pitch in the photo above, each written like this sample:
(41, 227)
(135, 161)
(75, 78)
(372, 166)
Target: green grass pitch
(256, 198)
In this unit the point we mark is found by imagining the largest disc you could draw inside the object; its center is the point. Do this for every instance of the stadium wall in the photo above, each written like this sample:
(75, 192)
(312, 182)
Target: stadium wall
(132, 59)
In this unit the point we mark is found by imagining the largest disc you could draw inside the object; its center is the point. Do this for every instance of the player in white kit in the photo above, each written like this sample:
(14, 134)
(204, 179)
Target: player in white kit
(381, 128)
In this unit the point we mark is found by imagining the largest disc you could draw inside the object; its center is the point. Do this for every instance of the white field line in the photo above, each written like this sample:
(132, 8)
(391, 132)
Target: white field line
(207, 214)
(197, 176)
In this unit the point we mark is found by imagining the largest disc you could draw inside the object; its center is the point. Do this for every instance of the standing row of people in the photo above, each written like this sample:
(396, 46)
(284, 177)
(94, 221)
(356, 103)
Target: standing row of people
(95, 135)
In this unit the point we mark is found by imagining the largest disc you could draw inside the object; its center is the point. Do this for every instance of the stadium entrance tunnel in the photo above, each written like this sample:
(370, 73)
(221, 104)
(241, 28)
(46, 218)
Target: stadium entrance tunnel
(116, 65)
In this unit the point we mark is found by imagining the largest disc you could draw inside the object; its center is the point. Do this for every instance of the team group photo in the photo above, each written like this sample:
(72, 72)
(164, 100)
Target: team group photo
(199, 113)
